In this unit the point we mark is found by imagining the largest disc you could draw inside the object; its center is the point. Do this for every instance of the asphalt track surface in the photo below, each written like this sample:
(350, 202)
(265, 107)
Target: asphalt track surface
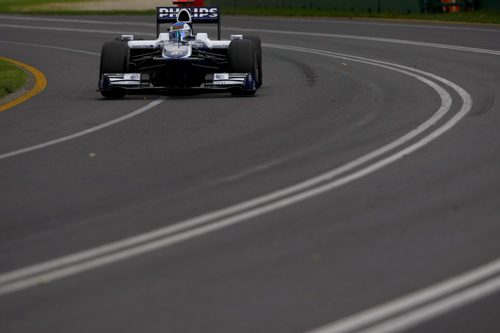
(407, 140)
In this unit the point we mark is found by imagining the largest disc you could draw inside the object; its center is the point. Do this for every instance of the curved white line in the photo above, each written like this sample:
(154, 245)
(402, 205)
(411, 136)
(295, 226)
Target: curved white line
(121, 250)
(347, 325)
(41, 27)
(84, 132)
(50, 47)
(281, 32)
(374, 39)
(81, 133)
(380, 23)
(405, 303)
(438, 308)
(66, 266)
(79, 21)
(411, 25)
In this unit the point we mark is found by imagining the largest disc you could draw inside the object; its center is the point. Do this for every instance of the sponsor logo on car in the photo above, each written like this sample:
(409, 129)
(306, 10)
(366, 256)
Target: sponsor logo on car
(132, 76)
(200, 13)
(221, 76)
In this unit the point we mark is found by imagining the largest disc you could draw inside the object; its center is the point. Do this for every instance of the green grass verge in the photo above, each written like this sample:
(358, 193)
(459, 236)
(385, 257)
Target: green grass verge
(13, 6)
(31, 7)
(11, 78)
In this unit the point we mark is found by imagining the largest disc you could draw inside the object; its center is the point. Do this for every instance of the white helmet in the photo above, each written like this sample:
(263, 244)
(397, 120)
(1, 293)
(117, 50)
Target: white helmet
(180, 31)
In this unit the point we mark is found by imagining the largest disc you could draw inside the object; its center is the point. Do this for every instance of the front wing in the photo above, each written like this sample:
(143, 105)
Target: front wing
(137, 83)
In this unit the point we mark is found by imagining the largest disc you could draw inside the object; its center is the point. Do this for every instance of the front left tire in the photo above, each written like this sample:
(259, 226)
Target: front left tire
(114, 59)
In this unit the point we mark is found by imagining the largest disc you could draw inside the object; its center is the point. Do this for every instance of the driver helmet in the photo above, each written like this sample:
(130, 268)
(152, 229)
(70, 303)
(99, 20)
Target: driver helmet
(180, 31)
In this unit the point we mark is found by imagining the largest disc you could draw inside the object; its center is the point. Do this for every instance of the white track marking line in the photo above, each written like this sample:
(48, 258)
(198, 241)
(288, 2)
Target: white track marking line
(84, 132)
(117, 251)
(413, 300)
(445, 107)
(41, 27)
(70, 270)
(378, 313)
(50, 47)
(411, 25)
(282, 32)
(61, 20)
(438, 308)
(374, 39)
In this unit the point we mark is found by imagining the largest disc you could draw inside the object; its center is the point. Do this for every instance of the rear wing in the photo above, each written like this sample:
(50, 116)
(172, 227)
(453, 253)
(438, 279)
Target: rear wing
(208, 15)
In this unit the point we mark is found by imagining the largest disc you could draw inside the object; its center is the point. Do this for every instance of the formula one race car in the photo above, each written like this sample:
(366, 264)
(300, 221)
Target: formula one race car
(179, 61)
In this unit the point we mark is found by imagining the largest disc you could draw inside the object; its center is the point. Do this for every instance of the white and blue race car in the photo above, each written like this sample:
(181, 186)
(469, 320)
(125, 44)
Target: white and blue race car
(180, 61)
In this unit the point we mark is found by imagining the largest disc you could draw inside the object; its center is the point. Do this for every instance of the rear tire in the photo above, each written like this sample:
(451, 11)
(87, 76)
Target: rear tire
(257, 44)
(242, 59)
(114, 59)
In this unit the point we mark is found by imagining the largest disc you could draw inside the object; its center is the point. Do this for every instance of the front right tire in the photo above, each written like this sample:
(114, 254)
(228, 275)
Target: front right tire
(242, 59)
(257, 44)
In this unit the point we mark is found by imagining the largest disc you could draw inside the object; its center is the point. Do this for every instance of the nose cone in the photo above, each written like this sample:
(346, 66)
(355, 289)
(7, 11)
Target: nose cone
(174, 50)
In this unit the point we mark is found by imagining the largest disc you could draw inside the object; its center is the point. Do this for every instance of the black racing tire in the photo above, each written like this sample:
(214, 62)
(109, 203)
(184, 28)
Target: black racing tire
(257, 43)
(242, 59)
(114, 59)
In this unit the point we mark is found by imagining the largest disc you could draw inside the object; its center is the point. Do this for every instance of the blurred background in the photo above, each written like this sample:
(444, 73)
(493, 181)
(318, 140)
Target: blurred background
(403, 6)
(306, 6)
